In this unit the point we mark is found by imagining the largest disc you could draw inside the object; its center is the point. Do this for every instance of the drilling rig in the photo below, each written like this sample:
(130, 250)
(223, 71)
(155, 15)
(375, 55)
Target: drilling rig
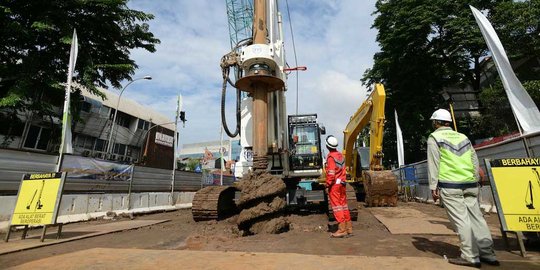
(278, 150)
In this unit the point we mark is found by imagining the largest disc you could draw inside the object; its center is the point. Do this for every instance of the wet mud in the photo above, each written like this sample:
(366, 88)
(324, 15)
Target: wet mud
(262, 204)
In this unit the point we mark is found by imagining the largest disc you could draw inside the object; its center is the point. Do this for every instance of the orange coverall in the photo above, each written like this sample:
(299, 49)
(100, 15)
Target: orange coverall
(335, 181)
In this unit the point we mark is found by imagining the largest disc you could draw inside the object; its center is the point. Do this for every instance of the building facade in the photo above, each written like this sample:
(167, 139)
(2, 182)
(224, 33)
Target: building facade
(208, 152)
(140, 135)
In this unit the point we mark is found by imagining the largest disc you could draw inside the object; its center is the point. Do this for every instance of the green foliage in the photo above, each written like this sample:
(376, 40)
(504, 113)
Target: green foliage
(36, 38)
(533, 88)
(518, 26)
(497, 118)
(192, 163)
(428, 45)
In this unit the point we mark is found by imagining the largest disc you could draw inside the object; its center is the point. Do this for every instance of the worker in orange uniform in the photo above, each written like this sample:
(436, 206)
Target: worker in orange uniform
(335, 183)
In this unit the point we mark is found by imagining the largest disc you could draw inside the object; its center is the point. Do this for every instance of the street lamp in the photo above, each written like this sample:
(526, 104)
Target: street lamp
(110, 143)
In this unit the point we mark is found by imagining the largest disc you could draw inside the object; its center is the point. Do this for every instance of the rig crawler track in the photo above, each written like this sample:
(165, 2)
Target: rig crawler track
(215, 202)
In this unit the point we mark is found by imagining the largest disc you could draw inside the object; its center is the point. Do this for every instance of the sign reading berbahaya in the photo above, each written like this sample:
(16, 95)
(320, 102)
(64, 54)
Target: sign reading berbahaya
(515, 183)
(164, 139)
(38, 199)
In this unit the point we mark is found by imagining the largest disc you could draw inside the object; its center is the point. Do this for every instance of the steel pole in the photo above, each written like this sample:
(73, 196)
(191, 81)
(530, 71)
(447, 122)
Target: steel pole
(221, 164)
(110, 142)
(175, 145)
(260, 94)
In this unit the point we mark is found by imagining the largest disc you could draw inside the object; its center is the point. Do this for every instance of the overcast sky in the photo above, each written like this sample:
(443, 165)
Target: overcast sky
(333, 39)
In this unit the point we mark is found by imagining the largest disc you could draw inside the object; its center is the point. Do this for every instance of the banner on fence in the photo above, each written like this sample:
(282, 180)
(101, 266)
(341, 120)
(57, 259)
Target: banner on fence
(209, 178)
(90, 168)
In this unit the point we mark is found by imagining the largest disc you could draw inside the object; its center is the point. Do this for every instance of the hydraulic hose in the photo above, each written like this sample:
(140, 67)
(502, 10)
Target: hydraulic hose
(227, 61)
(225, 73)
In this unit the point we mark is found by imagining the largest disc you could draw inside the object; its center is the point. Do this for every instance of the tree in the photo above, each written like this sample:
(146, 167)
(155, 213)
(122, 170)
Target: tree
(427, 45)
(518, 26)
(193, 163)
(36, 38)
(497, 119)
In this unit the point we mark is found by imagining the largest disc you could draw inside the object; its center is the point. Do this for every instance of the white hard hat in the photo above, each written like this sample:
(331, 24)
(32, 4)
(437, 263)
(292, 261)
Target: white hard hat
(331, 142)
(441, 115)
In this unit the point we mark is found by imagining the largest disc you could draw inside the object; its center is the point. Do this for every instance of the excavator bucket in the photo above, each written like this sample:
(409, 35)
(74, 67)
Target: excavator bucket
(381, 188)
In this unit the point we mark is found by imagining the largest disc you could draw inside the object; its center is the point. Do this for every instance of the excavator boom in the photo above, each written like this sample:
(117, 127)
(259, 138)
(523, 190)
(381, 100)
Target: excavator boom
(379, 186)
(371, 112)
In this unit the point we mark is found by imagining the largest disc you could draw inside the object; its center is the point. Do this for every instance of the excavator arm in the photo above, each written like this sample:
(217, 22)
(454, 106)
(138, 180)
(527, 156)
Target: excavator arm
(371, 112)
(379, 186)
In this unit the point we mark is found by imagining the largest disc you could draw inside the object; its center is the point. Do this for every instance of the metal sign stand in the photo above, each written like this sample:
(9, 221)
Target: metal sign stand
(519, 236)
(43, 232)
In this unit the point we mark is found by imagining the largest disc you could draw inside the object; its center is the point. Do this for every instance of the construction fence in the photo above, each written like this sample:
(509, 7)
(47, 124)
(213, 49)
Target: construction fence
(104, 186)
(413, 178)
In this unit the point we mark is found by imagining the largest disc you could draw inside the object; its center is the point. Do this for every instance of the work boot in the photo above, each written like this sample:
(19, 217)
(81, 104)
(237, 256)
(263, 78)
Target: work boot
(463, 262)
(493, 262)
(349, 228)
(341, 232)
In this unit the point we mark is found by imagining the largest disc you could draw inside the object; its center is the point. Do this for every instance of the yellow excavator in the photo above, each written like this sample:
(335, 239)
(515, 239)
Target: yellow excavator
(364, 164)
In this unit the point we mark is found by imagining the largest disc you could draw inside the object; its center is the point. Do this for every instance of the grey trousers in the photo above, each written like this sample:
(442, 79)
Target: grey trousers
(464, 213)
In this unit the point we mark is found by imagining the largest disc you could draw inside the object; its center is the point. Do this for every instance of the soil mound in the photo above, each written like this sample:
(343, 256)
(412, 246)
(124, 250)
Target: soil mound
(262, 203)
(257, 185)
(273, 226)
(264, 208)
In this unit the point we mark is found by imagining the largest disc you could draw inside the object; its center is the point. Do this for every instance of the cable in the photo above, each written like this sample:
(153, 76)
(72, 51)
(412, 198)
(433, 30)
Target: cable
(294, 52)
(225, 72)
(227, 61)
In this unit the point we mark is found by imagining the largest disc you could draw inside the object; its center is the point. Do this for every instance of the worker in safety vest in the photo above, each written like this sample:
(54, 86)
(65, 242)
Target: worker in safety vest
(336, 177)
(453, 176)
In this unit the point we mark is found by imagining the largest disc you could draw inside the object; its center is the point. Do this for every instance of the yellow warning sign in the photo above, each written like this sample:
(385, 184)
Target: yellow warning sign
(515, 183)
(38, 199)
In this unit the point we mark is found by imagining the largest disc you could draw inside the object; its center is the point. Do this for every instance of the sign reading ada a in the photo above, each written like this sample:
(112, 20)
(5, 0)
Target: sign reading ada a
(38, 199)
(515, 183)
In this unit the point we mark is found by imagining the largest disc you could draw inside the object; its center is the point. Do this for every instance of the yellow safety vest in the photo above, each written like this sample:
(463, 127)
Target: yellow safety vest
(455, 164)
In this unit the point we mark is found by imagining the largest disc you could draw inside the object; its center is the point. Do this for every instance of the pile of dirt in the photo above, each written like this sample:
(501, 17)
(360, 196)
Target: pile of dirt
(262, 203)
(257, 185)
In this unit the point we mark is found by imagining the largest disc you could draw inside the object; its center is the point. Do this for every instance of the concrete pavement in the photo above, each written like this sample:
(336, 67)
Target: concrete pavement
(105, 258)
(71, 233)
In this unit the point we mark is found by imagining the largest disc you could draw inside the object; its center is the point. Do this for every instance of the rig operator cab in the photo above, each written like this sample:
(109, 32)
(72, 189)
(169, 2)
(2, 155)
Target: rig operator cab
(305, 157)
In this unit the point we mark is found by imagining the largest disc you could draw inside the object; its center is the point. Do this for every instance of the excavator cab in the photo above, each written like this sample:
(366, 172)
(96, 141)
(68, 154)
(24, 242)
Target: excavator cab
(304, 143)
(362, 160)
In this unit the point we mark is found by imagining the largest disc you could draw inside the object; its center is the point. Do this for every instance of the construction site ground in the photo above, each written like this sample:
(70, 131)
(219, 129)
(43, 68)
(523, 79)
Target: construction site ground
(410, 236)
